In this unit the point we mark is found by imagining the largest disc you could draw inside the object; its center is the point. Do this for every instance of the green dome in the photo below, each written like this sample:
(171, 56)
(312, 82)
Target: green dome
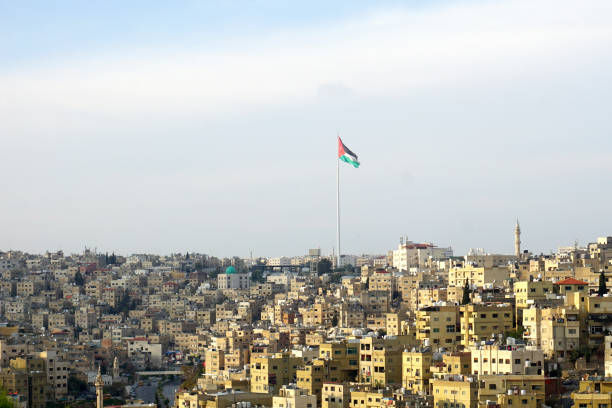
(230, 269)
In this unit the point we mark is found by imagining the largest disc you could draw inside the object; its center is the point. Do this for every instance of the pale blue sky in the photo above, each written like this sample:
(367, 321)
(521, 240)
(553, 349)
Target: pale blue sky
(210, 126)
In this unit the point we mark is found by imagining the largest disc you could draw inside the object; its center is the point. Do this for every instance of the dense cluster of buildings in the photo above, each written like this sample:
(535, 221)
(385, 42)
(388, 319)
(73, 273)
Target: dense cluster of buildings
(416, 327)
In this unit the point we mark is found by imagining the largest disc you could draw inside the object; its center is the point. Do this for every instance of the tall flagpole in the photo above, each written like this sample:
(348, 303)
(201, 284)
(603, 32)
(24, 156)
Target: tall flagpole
(338, 206)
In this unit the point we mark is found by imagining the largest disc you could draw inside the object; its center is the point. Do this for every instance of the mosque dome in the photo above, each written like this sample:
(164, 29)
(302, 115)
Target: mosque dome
(230, 269)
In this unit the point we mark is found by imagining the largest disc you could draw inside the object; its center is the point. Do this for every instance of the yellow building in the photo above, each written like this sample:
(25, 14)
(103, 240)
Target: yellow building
(593, 393)
(335, 395)
(452, 364)
(455, 394)
(215, 362)
(527, 293)
(336, 362)
(555, 330)
(478, 276)
(492, 385)
(380, 360)
(513, 399)
(270, 372)
(27, 379)
(438, 326)
(591, 400)
(292, 397)
(430, 296)
(364, 397)
(416, 370)
(481, 322)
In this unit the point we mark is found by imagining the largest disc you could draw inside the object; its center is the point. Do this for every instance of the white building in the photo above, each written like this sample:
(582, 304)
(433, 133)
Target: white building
(292, 397)
(494, 359)
(149, 353)
(282, 260)
(412, 254)
(232, 280)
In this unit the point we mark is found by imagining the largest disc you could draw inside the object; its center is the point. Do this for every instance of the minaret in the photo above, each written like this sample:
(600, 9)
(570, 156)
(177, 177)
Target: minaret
(517, 239)
(99, 389)
(115, 370)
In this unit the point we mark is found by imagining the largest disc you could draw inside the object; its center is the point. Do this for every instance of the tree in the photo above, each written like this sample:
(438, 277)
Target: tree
(324, 266)
(466, 293)
(75, 385)
(334, 321)
(602, 285)
(5, 400)
(78, 279)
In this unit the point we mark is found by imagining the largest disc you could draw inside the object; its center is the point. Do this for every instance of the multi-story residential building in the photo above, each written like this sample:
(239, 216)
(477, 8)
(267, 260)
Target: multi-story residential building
(382, 280)
(293, 397)
(367, 397)
(232, 280)
(380, 360)
(10, 349)
(555, 330)
(58, 371)
(477, 275)
(147, 353)
(527, 293)
(496, 359)
(416, 370)
(438, 326)
(593, 392)
(608, 356)
(215, 362)
(454, 364)
(411, 254)
(482, 322)
(527, 385)
(335, 395)
(455, 392)
(268, 373)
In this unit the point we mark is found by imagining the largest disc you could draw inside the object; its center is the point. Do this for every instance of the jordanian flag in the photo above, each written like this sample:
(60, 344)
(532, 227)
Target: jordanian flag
(345, 154)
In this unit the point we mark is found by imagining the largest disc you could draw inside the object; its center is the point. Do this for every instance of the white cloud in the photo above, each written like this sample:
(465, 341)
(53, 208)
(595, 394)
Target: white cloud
(393, 51)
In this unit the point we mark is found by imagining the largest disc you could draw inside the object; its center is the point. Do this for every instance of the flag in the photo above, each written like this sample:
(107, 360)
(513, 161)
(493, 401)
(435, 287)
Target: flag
(346, 155)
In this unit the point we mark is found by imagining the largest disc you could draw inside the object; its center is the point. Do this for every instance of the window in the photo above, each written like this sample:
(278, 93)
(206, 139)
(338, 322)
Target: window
(492, 386)
(517, 361)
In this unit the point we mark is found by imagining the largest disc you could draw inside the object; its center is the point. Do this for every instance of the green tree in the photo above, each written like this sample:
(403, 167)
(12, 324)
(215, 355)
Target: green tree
(602, 285)
(466, 293)
(324, 266)
(78, 279)
(5, 400)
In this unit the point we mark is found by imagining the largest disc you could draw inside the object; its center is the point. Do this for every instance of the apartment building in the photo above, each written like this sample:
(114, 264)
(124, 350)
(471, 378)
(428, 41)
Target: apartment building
(438, 326)
(482, 322)
(496, 359)
(416, 370)
(269, 373)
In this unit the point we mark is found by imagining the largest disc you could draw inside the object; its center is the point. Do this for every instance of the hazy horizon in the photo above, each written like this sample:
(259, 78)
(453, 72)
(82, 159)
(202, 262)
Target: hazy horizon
(211, 127)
